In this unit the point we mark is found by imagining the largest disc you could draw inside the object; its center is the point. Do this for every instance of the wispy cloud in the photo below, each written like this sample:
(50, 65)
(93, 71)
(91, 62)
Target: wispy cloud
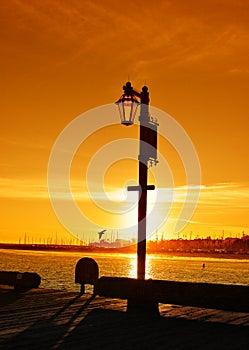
(219, 194)
(178, 35)
(23, 143)
(225, 195)
(22, 189)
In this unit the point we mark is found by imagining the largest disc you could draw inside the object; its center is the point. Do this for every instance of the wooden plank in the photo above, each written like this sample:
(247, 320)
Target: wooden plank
(178, 311)
(63, 321)
(241, 320)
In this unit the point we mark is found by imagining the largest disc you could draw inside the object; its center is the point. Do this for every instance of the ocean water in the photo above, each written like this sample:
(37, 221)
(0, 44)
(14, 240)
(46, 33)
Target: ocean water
(57, 268)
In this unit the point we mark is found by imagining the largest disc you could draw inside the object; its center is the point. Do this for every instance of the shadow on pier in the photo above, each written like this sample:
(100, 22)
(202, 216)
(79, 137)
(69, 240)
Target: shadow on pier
(105, 329)
(47, 331)
(161, 314)
(93, 323)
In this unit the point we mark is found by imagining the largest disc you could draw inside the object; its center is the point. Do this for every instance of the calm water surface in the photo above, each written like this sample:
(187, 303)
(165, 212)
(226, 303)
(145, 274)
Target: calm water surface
(57, 268)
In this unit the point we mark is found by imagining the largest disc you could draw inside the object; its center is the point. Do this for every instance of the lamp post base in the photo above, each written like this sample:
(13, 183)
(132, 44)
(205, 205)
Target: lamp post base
(145, 307)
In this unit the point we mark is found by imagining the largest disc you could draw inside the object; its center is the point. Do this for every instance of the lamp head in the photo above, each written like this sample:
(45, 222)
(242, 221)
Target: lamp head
(127, 105)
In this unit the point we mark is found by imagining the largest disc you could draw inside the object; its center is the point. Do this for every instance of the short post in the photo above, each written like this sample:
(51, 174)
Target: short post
(86, 272)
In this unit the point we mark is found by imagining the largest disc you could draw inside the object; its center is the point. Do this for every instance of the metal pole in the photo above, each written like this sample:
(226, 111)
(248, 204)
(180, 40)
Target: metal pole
(143, 175)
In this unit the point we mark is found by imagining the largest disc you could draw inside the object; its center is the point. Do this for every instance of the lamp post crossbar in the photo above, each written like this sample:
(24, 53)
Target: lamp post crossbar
(139, 189)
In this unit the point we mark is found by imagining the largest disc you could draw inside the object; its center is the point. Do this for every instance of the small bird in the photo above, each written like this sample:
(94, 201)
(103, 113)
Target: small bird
(101, 233)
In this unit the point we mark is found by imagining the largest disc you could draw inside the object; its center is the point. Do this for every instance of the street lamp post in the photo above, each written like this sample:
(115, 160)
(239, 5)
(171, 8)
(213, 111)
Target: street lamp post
(127, 105)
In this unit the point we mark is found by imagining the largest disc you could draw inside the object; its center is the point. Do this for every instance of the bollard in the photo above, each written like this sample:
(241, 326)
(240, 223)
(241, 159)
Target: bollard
(86, 272)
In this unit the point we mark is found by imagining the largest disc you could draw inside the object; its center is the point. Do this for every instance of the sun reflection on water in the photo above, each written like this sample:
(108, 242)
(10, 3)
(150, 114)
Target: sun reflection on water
(133, 267)
(57, 268)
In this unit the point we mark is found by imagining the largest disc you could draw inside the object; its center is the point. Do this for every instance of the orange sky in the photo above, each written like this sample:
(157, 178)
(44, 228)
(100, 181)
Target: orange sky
(61, 58)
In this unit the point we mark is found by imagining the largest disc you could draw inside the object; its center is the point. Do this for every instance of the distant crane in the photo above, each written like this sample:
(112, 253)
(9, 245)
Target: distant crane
(100, 233)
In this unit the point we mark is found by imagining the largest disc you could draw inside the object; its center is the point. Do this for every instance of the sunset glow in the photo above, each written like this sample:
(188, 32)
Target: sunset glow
(61, 59)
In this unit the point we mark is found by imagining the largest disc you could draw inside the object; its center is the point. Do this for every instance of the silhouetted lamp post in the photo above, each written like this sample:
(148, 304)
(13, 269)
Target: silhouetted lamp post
(128, 106)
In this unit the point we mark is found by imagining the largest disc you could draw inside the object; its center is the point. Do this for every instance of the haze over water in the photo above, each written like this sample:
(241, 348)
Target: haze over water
(57, 268)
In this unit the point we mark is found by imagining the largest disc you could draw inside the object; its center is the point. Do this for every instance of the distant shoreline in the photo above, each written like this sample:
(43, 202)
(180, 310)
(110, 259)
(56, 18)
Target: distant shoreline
(123, 250)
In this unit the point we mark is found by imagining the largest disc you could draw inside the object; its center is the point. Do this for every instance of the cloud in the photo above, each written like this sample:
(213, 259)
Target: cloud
(225, 195)
(171, 34)
(23, 143)
(22, 189)
(220, 195)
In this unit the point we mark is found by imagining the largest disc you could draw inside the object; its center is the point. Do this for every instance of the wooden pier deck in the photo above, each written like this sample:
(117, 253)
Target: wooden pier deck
(49, 319)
